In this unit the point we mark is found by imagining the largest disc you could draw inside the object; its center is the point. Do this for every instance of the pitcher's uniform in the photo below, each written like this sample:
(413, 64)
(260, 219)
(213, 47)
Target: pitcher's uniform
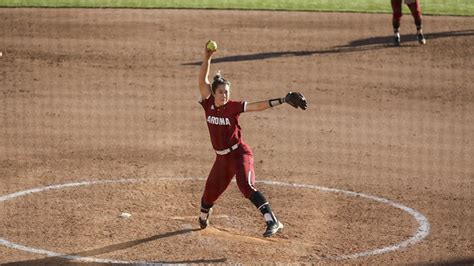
(233, 156)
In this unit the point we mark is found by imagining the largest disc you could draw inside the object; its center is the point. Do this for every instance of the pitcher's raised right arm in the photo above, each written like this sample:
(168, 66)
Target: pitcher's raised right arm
(204, 84)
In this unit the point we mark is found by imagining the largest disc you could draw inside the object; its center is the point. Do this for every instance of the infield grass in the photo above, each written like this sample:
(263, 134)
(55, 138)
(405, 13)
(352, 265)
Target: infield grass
(433, 7)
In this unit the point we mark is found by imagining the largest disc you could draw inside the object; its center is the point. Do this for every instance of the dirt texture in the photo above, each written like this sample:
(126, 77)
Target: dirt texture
(110, 94)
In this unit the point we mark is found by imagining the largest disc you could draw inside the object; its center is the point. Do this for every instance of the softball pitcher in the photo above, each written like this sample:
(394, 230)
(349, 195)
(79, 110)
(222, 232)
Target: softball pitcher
(233, 156)
(414, 6)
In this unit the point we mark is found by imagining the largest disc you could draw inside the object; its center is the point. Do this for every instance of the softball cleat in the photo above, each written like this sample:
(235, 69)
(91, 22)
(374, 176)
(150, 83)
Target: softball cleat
(204, 222)
(272, 228)
(396, 39)
(421, 38)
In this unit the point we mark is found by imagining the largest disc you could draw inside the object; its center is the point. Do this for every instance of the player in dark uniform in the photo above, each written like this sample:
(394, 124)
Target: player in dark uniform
(414, 6)
(233, 156)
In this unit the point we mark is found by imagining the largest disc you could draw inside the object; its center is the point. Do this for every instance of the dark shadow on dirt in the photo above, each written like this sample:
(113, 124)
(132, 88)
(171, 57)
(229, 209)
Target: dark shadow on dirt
(116, 247)
(373, 43)
(387, 40)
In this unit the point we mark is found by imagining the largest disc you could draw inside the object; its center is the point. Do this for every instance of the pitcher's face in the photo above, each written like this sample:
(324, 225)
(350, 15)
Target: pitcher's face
(222, 95)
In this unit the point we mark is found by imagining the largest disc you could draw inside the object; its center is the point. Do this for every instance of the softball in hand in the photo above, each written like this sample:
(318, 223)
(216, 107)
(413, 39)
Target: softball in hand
(211, 46)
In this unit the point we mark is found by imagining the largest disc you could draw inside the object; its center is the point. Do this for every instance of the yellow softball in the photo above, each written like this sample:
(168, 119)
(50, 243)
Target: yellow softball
(211, 45)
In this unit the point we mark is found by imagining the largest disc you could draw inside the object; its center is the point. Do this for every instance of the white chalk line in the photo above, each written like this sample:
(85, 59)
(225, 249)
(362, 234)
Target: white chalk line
(422, 231)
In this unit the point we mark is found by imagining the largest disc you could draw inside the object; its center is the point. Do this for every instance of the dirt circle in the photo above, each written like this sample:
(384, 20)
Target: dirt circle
(227, 228)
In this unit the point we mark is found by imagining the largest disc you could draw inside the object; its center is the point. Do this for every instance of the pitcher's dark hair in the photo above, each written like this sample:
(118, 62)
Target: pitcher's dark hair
(218, 80)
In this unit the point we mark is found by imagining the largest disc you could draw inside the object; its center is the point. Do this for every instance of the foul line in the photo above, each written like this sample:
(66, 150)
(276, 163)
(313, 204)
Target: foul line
(422, 231)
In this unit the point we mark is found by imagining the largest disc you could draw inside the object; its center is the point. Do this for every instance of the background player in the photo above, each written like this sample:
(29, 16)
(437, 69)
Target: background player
(397, 14)
(233, 155)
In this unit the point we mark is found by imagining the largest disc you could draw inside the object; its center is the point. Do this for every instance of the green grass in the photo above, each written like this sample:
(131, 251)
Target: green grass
(433, 7)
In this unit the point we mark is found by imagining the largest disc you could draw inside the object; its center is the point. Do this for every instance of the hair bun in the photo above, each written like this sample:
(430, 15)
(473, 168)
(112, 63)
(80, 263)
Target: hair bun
(218, 80)
(218, 75)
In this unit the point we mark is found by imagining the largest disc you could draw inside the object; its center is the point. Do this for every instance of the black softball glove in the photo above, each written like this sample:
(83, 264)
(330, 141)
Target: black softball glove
(296, 100)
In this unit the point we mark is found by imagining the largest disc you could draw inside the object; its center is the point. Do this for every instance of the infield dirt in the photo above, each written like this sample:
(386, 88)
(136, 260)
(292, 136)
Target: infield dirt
(93, 94)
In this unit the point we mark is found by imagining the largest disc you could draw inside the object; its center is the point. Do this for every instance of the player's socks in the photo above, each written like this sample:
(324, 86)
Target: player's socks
(418, 26)
(272, 223)
(396, 25)
(396, 36)
(258, 199)
(396, 31)
(204, 214)
(419, 34)
(263, 206)
(206, 210)
(268, 215)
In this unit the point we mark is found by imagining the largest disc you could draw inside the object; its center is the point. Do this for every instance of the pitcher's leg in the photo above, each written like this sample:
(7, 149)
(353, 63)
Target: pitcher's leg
(415, 10)
(217, 182)
(396, 16)
(396, 13)
(272, 223)
(245, 176)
